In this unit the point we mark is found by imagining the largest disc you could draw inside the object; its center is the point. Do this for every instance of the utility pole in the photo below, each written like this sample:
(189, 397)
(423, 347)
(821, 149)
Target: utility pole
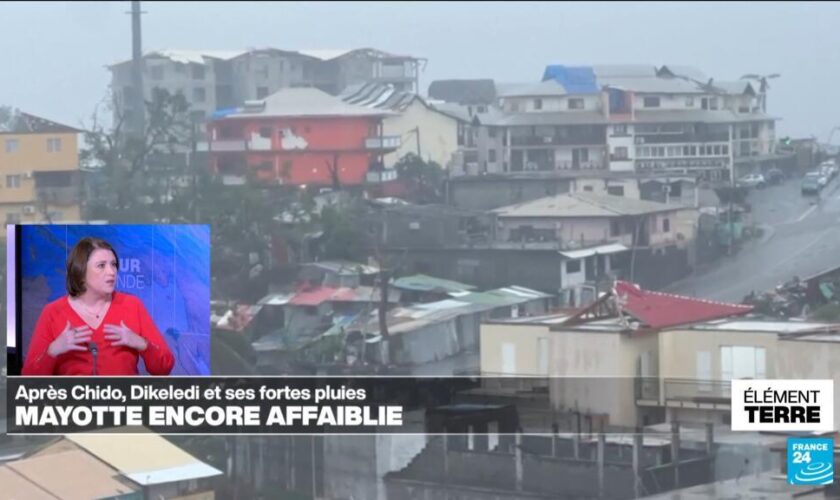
(138, 103)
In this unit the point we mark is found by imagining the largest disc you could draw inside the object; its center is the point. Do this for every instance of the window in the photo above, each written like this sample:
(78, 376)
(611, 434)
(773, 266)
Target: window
(689, 102)
(573, 266)
(620, 129)
(576, 103)
(53, 145)
(509, 358)
(651, 102)
(262, 92)
(199, 94)
(704, 370)
(739, 362)
(615, 228)
(491, 132)
(538, 104)
(588, 189)
(156, 72)
(265, 132)
(615, 190)
(13, 181)
(492, 156)
(198, 72)
(12, 145)
(666, 225)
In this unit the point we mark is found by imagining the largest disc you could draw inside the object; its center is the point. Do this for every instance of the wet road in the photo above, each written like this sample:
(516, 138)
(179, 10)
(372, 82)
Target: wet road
(803, 238)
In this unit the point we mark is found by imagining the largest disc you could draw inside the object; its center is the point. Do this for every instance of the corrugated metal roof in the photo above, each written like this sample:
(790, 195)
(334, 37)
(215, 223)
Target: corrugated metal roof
(477, 91)
(378, 95)
(736, 87)
(425, 283)
(545, 88)
(344, 267)
(682, 70)
(304, 102)
(501, 297)
(17, 487)
(142, 453)
(597, 250)
(624, 70)
(66, 474)
(179, 473)
(582, 205)
(652, 85)
(189, 56)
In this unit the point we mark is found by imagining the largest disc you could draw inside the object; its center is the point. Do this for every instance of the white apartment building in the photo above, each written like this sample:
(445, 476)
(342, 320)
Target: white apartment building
(623, 119)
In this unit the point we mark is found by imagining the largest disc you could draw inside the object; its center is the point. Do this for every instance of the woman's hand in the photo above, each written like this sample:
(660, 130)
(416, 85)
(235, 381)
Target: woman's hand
(122, 335)
(71, 339)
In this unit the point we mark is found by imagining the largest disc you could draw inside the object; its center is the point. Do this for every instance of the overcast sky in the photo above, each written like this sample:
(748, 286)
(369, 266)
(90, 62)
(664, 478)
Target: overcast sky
(52, 55)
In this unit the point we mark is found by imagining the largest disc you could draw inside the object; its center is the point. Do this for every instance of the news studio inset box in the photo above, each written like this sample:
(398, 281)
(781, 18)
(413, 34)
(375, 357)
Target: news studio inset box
(162, 286)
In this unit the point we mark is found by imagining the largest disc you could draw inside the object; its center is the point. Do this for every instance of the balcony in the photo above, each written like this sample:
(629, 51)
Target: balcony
(683, 393)
(383, 143)
(223, 145)
(580, 140)
(680, 138)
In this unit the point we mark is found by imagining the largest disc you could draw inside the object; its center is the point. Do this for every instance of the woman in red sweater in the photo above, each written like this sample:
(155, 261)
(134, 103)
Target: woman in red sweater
(95, 330)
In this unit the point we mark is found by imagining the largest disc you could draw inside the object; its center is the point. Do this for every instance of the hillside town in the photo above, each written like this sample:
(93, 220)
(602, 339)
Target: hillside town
(607, 246)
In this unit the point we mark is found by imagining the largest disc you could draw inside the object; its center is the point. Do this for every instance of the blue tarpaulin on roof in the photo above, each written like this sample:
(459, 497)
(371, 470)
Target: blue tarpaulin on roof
(575, 79)
(221, 113)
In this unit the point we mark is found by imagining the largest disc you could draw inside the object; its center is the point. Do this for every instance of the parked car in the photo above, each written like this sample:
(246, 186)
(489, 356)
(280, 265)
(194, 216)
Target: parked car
(811, 183)
(752, 180)
(775, 176)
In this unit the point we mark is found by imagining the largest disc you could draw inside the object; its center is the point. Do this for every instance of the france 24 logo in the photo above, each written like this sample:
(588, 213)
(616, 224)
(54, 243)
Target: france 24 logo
(810, 461)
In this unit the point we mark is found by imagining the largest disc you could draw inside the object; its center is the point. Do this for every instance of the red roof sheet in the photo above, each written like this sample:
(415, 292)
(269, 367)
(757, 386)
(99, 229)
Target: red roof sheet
(312, 297)
(662, 310)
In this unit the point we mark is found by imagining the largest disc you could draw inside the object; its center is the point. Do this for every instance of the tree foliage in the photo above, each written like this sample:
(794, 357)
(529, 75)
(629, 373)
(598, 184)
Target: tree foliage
(425, 179)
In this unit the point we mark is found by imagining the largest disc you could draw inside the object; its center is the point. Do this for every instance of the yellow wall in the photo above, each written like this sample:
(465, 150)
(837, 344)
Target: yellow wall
(678, 350)
(525, 337)
(438, 134)
(32, 153)
(32, 156)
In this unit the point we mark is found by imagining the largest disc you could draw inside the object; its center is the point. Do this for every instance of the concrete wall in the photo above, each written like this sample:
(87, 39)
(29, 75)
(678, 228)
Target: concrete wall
(486, 194)
(672, 101)
(605, 364)
(525, 340)
(551, 103)
(601, 185)
(678, 350)
(800, 359)
(438, 134)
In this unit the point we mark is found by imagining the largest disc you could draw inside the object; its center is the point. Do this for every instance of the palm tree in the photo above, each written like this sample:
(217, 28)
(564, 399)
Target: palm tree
(764, 86)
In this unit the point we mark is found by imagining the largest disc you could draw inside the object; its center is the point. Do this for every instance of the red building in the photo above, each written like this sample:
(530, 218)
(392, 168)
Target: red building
(299, 136)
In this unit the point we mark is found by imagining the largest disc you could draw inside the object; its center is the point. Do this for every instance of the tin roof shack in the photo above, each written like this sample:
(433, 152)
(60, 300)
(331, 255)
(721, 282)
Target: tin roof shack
(424, 288)
(337, 273)
(437, 338)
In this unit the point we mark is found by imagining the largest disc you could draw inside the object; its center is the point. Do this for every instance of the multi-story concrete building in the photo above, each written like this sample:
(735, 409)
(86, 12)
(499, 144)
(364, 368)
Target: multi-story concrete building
(299, 136)
(213, 80)
(39, 162)
(644, 357)
(622, 119)
(427, 131)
